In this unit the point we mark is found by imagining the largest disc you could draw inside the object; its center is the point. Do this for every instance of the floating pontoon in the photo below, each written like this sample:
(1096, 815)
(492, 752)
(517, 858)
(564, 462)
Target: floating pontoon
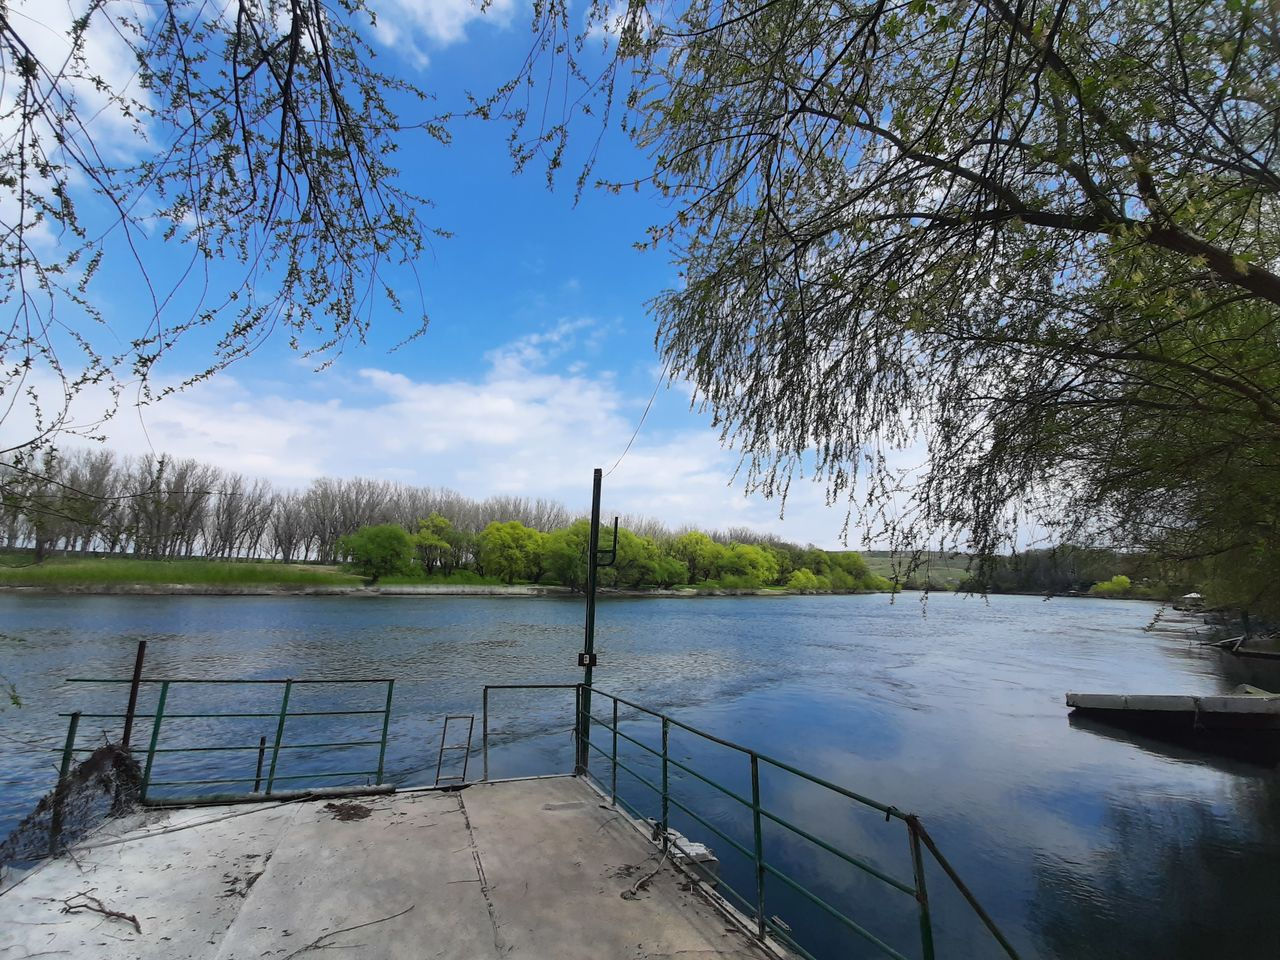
(1253, 712)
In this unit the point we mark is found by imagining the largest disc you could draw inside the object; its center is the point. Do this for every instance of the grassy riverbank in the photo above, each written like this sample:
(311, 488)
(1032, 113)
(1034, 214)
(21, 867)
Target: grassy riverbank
(118, 575)
(126, 575)
(458, 578)
(76, 573)
(941, 571)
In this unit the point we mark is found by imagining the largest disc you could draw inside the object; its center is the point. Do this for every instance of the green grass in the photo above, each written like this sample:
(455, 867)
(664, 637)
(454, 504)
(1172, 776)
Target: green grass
(86, 571)
(942, 569)
(465, 577)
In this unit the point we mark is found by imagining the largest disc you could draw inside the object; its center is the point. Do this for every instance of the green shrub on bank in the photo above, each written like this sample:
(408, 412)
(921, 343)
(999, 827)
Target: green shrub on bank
(805, 580)
(837, 580)
(1123, 587)
(1117, 586)
(378, 551)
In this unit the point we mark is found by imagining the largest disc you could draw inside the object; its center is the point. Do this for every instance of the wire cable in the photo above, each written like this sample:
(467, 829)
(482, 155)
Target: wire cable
(661, 377)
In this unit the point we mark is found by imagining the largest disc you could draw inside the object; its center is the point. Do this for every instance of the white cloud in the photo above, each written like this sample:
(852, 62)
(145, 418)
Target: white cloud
(109, 70)
(46, 28)
(535, 350)
(520, 427)
(412, 26)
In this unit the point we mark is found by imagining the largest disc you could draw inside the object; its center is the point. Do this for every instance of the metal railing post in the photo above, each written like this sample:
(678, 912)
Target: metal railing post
(965, 892)
(666, 820)
(275, 750)
(262, 755)
(134, 683)
(59, 792)
(613, 766)
(579, 768)
(386, 723)
(155, 737)
(484, 732)
(922, 894)
(759, 845)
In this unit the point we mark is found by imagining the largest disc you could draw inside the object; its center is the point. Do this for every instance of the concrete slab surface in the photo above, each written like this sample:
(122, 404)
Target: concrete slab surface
(531, 869)
(1266, 704)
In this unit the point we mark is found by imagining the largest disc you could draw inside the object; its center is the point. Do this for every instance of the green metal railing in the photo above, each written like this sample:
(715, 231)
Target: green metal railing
(754, 907)
(280, 717)
(918, 839)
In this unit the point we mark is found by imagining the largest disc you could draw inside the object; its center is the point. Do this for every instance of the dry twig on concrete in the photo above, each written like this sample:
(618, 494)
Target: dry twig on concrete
(644, 881)
(319, 942)
(86, 901)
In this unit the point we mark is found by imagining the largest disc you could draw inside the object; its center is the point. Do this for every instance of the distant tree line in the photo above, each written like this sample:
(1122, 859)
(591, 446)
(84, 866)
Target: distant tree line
(165, 508)
(1076, 569)
(95, 502)
(512, 551)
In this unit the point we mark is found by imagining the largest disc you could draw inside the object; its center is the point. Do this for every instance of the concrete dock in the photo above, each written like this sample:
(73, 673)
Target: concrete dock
(1237, 712)
(540, 868)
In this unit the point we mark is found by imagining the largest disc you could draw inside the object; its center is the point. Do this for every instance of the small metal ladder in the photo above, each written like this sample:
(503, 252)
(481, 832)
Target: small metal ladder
(470, 720)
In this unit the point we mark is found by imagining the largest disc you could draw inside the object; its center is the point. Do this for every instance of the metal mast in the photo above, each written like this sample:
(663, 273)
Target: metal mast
(587, 658)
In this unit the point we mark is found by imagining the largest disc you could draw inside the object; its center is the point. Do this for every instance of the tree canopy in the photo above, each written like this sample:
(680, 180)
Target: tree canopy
(992, 270)
(511, 551)
(378, 551)
(256, 136)
(437, 543)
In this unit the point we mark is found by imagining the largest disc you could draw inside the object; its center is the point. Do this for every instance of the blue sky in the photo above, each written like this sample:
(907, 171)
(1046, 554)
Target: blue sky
(539, 359)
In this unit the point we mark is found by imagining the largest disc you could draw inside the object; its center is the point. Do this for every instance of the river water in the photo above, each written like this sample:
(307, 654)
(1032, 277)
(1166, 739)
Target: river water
(1082, 842)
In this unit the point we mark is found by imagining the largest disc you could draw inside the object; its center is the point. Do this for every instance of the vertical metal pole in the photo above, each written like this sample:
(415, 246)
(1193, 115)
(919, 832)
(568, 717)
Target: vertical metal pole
(386, 722)
(60, 791)
(275, 750)
(155, 737)
(444, 738)
(613, 786)
(922, 895)
(262, 755)
(578, 769)
(759, 849)
(466, 757)
(132, 708)
(589, 640)
(484, 731)
(666, 820)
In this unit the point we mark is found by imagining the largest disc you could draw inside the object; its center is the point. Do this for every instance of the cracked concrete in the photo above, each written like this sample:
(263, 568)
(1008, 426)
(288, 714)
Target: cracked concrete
(499, 945)
(532, 869)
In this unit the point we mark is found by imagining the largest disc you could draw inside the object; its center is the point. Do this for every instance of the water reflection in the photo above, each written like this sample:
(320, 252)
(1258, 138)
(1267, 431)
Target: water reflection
(1223, 750)
(1167, 877)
